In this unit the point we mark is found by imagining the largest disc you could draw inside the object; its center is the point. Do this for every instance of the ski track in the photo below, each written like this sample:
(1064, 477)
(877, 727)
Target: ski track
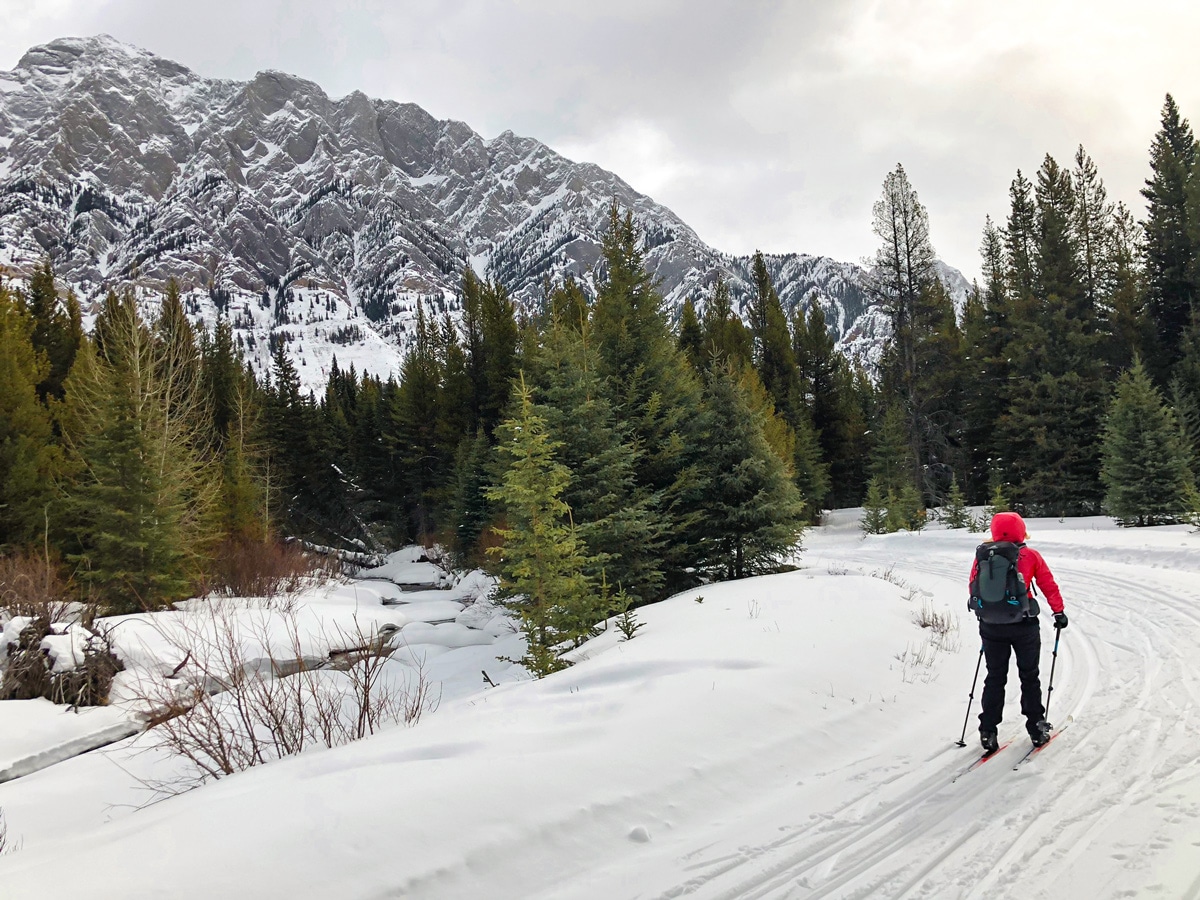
(1121, 783)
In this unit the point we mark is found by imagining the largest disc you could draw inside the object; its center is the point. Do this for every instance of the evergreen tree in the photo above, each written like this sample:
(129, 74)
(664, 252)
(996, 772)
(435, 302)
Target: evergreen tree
(470, 511)
(655, 391)
(1092, 229)
(1129, 329)
(726, 338)
(57, 329)
(773, 356)
(1169, 249)
(691, 336)
(500, 353)
(412, 431)
(1020, 239)
(826, 385)
(1145, 470)
(29, 457)
(541, 559)
(312, 492)
(891, 460)
(614, 515)
(752, 511)
(139, 506)
(875, 515)
(955, 514)
(924, 335)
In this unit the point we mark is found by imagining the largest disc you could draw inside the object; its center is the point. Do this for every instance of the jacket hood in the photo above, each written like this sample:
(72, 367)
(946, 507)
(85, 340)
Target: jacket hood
(1008, 526)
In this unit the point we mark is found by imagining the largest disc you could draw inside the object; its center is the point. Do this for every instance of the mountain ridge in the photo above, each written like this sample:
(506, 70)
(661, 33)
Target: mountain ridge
(322, 222)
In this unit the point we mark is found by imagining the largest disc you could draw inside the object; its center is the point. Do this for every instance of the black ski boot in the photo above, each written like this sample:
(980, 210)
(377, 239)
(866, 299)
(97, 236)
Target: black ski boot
(989, 742)
(1040, 733)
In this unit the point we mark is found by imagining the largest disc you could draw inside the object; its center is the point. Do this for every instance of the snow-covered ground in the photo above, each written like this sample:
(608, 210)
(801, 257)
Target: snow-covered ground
(787, 736)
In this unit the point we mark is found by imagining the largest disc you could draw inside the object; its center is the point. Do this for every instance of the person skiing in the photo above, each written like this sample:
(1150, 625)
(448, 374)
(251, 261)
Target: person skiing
(1008, 624)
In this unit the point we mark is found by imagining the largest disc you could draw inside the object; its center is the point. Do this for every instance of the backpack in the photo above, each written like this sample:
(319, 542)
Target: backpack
(999, 595)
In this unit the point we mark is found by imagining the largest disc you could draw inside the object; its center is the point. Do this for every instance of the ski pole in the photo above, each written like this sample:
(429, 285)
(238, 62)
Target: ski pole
(962, 741)
(1053, 662)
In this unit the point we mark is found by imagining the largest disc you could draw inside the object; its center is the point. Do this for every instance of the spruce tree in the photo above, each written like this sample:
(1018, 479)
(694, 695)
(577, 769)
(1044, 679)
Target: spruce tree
(139, 507)
(1145, 471)
(726, 338)
(773, 356)
(691, 336)
(57, 329)
(654, 390)
(412, 431)
(541, 559)
(954, 513)
(29, 456)
(1169, 249)
(615, 516)
(875, 514)
(1019, 240)
(752, 512)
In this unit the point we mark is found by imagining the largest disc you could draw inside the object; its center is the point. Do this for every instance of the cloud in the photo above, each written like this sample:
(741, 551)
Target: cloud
(764, 124)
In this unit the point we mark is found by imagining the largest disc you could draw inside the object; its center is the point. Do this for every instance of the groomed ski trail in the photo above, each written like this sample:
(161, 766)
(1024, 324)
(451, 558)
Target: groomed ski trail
(1109, 810)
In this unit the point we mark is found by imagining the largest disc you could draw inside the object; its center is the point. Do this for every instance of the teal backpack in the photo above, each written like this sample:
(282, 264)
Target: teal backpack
(999, 595)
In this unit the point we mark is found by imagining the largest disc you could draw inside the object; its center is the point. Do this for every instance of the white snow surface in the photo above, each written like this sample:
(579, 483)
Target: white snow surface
(783, 736)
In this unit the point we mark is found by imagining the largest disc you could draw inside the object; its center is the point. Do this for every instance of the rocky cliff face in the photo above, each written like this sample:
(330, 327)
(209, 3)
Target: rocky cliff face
(314, 221)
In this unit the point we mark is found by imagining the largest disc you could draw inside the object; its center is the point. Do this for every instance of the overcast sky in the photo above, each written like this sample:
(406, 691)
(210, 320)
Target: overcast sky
(762, 124)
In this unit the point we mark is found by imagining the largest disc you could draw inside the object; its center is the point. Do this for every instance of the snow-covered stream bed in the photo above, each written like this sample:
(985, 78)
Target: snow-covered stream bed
(787, 736)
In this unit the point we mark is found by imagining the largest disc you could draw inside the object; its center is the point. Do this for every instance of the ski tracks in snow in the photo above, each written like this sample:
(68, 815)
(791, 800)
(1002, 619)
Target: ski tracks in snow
(1108, 811)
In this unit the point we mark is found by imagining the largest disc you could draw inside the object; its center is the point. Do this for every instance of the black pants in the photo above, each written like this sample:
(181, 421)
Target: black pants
(1025, 640)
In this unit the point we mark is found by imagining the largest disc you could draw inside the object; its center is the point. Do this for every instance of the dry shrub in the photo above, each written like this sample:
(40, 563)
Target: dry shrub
(29, 672)
(32, 584)
(6, 845)
(266, 568)
(944, 624)
(225, 712)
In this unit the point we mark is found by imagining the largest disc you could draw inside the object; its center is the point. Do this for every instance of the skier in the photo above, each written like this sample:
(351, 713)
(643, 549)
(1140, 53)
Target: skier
(1022, 635)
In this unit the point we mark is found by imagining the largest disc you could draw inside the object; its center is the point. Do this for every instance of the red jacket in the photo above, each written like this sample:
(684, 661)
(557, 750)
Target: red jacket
(1009, 526)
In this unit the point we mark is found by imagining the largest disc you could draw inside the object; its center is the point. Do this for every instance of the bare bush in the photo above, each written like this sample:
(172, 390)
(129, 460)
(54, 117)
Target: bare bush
(30, 672)
(917, 662)
(943, 624)
(6, 844)
(266, 568)
(32, 584)
(225, 710)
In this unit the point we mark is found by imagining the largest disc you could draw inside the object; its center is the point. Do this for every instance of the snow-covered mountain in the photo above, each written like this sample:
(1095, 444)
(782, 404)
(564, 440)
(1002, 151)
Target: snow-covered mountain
(320, 222)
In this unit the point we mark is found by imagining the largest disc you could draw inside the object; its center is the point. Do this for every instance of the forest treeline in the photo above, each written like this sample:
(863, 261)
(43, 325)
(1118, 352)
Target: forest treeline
(597, 454)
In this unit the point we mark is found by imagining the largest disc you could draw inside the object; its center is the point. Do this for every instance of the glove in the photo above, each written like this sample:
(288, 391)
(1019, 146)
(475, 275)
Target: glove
(1060, 620)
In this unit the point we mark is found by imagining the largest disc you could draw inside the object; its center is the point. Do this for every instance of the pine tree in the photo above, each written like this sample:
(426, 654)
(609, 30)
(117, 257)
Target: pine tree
(139, 507)
(875, 514)
(412, 431)
(1145, 470)
(752, 512)
(1019, 240)
(691, 336)
(1169, 249)
(29, 457)
(955, 514)
(615, 516)
(541, 559)
(891, 456)
(470, 511)
(726, 338)
(773, 356)
(654, 390)
(904, 280)
(1092, 231)
(57, 329)
(1129, 329)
